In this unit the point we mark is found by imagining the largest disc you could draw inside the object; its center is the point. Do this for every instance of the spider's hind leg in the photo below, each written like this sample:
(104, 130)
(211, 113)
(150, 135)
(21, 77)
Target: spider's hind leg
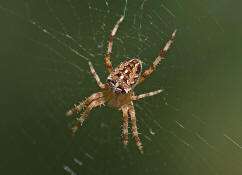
(100, 84)
(158, 59)
(110, 45)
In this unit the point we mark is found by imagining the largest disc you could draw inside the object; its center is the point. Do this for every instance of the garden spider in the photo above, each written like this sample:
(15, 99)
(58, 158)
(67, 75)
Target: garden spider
(119, 89)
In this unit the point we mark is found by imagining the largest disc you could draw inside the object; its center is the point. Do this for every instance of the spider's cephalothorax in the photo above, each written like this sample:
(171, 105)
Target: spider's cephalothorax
(124, 78)
(119, 89)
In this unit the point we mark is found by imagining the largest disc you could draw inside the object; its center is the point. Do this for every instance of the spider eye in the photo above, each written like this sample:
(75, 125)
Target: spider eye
(119, 90)
(111, 83)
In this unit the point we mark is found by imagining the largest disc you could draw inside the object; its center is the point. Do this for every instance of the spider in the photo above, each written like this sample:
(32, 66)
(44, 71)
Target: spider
(119, 89)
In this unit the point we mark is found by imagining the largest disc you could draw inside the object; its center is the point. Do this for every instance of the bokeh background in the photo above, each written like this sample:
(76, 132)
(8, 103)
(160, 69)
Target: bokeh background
(194, 127)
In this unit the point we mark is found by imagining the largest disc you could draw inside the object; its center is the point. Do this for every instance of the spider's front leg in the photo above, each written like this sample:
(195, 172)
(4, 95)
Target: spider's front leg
(125, 124)
(110, 45)
(134, 127)
(81, 105)
(94, 104)
(146, 95)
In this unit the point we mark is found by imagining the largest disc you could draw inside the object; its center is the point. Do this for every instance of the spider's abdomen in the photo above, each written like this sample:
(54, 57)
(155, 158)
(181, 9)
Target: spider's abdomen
(124, 78)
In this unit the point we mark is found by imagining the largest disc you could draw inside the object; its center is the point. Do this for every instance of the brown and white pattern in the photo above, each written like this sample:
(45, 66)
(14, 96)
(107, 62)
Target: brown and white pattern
(119, 89)
(124, 78)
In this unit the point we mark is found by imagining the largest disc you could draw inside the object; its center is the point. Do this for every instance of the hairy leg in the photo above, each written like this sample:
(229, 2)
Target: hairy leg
(81, 105)
(134, 127)
(100, 84)
(110, 45)
(94, 104)
(157, 60)
(125, 124)
(146, 95)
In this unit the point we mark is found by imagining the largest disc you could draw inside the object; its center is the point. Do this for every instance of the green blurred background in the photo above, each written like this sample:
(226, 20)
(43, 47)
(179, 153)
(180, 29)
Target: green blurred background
(194, 127)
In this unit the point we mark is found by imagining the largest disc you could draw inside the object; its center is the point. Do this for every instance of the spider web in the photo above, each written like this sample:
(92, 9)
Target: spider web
(178, 135)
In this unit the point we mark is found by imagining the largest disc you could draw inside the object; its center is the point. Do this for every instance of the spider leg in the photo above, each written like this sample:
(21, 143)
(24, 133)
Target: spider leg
(158, 59)
(94, 104)
(125, 124)
(100, 84)
(110, 45)
(81, 105)
(134, 127)
(146, 95)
